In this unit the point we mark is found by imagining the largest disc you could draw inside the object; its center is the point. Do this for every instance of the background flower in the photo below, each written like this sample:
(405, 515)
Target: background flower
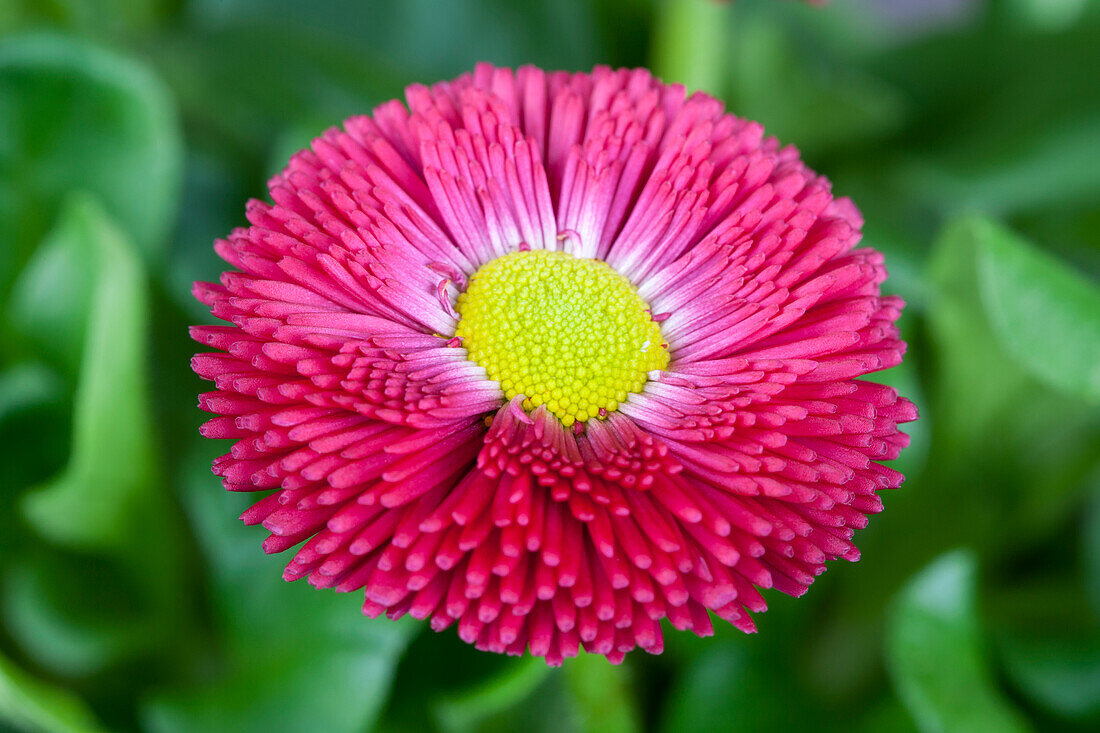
(132, 599)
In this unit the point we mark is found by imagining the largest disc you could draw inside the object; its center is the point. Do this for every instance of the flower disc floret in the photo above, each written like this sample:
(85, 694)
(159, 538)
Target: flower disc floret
(565, 332)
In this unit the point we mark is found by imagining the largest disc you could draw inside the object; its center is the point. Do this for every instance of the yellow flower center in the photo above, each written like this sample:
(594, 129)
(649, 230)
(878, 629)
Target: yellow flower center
(568, 333)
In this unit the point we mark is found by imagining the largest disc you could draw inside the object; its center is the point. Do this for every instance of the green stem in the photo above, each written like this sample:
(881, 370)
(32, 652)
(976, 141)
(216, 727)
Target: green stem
(689, 44)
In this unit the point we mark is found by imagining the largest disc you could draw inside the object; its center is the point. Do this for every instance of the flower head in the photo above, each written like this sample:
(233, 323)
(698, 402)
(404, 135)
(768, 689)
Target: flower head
(552, 357)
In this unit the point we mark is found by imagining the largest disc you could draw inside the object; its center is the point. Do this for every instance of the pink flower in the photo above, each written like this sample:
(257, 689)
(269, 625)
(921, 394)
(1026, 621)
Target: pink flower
(552, 357)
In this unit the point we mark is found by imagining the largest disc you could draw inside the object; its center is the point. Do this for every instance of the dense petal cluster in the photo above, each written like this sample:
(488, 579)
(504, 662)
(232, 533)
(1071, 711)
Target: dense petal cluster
(398, 466)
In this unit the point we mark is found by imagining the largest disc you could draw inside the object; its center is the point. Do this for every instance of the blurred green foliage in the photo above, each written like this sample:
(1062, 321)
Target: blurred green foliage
(133, 131)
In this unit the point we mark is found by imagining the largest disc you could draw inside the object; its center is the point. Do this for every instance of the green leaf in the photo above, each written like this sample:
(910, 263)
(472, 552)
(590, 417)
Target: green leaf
(90, 16)
(105, 491)
(977, 382)
(214, 193)
(811, 101)
(76, 116)
(1048, 14)
(25, 385)
(1020, 448)
(52, 297)
(547, 707)
(1055, 166)
(33, 412)
(887, 715)
(602, 694)
(337, 60)
(1046, 314)
(1090, 544)
(464, 712)
(33, 705)
(1062, 675)
(294, 658)
(77, 615)
(1015, 133)
(417, 39)
(727, 686)
(87, 290)
(935, 656)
